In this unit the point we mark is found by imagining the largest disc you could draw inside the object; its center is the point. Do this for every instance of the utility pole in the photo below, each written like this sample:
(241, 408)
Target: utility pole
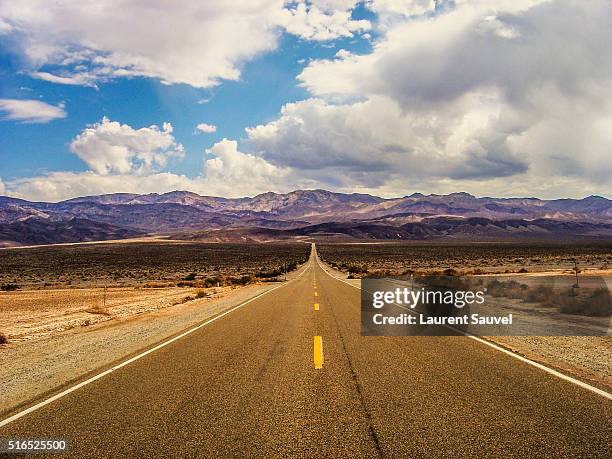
(104, 301)
(576, 273)
(285, 267)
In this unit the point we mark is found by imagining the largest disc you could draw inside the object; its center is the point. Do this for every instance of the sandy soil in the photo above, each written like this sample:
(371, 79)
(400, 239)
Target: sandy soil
(587, 357)
(31, 314)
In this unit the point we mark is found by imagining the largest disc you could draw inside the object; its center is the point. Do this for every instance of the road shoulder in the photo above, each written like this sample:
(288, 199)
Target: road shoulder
(38, 368)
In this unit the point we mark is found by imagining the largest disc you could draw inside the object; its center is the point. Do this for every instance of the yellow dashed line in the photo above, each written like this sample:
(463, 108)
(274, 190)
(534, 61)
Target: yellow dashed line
(318, 352)
(316, 306)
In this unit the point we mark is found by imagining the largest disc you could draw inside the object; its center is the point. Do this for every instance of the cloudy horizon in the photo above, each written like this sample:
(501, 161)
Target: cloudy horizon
(494, 98)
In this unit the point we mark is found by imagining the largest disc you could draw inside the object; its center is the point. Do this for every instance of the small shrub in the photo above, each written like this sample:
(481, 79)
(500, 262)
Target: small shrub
(212, 282)
(3, 338)
(242, 280)
(9, 287)
(598, 303)
(356, 269)
(201, 294)
(268, 274)
(189, 277)
(539, 294)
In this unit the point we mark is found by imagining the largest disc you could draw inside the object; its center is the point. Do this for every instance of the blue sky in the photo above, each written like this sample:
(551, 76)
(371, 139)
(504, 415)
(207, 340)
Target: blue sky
(265, 85)
(378, 96)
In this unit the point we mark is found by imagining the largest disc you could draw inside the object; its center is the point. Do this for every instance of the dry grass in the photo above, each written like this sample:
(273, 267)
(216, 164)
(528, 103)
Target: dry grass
(360, 260)
(152, 265)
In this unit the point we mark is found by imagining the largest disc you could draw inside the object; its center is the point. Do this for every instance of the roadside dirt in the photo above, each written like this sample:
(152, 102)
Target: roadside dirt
(589, 358)
(32, 314)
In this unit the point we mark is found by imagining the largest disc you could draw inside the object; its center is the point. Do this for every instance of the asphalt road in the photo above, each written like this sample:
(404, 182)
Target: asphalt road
(246, 385)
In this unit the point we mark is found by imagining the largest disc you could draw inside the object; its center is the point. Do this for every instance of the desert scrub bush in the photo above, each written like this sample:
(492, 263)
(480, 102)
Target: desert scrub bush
(201, 294)
(189, 277)
(268, 274)
(541, 294)
(596, 303)
(213, 282)
(356, 269)
(3, 338)
(9, 287)
(242, 280)
(158, 285)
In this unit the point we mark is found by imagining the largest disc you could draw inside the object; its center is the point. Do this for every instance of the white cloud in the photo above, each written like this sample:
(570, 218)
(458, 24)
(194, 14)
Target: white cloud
(403, 7)
(31, 111)
(322, 20)
(197, 43)
(5, 27)
(110, 147)
(58, 186)
(80, 79)
(233, 173)
(511, 94)
(123, 159)
(206, 128)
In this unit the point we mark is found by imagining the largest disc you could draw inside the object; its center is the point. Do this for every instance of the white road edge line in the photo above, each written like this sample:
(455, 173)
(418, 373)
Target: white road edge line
(556, 373)
(137, 357)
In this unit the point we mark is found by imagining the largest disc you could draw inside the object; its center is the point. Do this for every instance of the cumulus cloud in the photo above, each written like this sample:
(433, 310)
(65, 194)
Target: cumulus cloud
(322, 20)
(176, 42)
(58, 186)
(206, 128)
(110, 147)
(124, 159)
(486, 92)
(31, 111)
(197, 43)
(403, 8)
(233, 173)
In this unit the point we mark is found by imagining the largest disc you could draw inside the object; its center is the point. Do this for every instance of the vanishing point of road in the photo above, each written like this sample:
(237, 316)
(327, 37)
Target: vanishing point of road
(289, 375)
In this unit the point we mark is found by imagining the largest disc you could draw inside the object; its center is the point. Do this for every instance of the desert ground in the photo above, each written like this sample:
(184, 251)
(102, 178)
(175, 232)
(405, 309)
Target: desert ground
(466, 258)
(54, 288)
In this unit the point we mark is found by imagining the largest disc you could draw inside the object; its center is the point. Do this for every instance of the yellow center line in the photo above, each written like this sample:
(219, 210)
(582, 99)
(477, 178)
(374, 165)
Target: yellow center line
(316, 306)
(318, 352)
(316, 294)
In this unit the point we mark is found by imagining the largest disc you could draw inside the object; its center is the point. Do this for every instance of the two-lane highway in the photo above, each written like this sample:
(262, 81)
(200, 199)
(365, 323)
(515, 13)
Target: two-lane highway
(250, 384)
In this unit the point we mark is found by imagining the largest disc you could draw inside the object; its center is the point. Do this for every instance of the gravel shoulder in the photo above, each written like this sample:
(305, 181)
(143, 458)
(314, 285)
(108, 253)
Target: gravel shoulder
(45, 363)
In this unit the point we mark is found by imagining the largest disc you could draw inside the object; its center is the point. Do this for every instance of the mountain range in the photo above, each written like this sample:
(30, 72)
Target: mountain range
(302, 214)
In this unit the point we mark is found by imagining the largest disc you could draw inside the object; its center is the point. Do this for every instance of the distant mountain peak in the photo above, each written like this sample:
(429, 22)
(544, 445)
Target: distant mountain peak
(461, 194)
(187, 211)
